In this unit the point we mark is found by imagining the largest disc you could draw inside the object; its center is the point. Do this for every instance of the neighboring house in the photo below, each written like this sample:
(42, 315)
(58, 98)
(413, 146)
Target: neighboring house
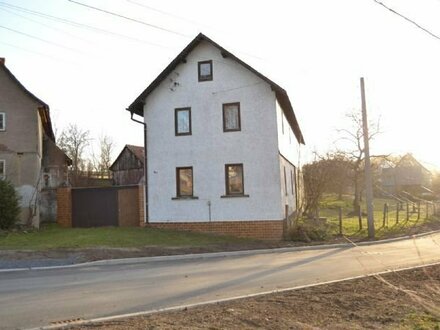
(407, 175)
(29, 157)
(128, 168)
(223, 146)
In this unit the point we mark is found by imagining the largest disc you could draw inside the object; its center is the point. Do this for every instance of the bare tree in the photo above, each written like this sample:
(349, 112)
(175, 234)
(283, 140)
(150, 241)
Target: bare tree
(106, 145)
(73, 140)
(317, 177)
(355, 152)
(340, 172)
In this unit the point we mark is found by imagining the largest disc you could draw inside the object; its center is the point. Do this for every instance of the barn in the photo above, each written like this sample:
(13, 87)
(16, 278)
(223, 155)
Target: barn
(128, 168)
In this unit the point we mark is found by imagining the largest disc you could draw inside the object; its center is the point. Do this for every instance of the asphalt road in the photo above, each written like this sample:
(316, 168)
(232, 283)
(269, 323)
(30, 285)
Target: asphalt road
(39, 297)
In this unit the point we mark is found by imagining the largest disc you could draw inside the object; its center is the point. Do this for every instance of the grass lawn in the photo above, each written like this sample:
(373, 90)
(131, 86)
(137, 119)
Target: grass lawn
(393, 225)
(53, 236)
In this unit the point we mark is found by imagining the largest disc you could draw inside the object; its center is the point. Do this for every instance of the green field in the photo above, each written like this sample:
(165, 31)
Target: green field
(53, 236)
(397, 222)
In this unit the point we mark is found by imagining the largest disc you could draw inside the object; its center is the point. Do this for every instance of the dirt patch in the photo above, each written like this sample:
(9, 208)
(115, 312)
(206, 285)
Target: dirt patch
(403, 300)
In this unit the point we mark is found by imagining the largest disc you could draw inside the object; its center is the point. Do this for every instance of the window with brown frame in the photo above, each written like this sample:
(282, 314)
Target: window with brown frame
(205, 70)
(2, 169)
(182, 121)
(184, 181)
(285, 181)
(231, 117)
(2, 121)
(234, 179)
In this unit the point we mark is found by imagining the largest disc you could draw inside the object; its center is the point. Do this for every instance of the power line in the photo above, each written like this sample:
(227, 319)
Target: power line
(38, 53)
(407, 19)
(129, 18)
(166, 13)
(41, 39)
(80, 25)
(45, 25)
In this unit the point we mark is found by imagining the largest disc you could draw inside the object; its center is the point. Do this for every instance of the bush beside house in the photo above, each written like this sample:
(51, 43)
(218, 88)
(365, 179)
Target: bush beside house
(9, 207)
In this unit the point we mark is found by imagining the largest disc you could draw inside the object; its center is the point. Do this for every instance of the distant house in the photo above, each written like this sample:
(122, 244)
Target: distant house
(128, 168)
(29, 157)
(406, 175)
(223, 146)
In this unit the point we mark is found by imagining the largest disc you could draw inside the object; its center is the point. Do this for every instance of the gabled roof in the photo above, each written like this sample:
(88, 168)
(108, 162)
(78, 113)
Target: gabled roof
(43, 108)
(281, 94)
(137, 151)
(408, 160)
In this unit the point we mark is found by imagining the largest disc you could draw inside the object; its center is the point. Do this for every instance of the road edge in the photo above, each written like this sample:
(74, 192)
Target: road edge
(224, 254)
(211, 302)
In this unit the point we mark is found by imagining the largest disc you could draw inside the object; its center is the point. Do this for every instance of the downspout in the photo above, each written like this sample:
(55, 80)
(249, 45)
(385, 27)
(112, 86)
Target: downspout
(145, 166)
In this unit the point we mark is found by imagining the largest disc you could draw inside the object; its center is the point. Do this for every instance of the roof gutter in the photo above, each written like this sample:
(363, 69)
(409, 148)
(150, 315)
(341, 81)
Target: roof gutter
(145, 165)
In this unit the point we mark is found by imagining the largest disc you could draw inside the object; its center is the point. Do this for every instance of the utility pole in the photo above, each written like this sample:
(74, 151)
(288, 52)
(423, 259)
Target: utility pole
(368, 177)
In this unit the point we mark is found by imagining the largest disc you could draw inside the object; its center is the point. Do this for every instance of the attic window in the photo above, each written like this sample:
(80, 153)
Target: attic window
(2, 121)
(205, 70)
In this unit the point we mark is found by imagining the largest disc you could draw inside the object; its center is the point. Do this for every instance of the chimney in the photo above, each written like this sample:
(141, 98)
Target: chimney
(2, 60)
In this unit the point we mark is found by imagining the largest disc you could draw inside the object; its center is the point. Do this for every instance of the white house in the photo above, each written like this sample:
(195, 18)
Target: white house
(222, 146)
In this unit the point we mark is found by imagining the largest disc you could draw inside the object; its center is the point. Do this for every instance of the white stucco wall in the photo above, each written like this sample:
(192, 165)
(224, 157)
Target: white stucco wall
(208, 149)
(288, 195)
(288, 144)
(289, 150)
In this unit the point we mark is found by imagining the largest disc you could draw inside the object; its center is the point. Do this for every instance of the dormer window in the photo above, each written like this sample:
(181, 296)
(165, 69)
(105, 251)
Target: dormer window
(2, 121)
(205, 70)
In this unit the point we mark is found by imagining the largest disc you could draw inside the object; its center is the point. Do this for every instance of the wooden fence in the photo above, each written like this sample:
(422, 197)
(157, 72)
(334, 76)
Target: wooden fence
(395, 213)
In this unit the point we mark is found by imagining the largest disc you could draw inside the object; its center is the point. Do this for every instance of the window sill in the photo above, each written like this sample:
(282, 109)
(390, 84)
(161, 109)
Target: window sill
(234, 196)
(184, 198)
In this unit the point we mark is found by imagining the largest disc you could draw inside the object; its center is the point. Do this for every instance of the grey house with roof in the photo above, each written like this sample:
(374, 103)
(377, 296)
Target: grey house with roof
(29, 157)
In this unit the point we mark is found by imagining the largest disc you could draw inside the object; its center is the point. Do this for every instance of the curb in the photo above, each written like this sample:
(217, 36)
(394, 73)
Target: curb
(68, 325)
(195, 256)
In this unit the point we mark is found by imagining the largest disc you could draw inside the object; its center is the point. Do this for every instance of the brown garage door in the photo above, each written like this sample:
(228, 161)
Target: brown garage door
(94, 207)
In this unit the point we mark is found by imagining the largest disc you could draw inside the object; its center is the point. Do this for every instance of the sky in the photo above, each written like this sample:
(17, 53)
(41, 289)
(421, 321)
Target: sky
(89, 65)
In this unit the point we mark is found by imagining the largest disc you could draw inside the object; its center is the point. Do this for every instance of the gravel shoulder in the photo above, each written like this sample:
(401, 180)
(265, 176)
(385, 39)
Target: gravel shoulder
(402, 300)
